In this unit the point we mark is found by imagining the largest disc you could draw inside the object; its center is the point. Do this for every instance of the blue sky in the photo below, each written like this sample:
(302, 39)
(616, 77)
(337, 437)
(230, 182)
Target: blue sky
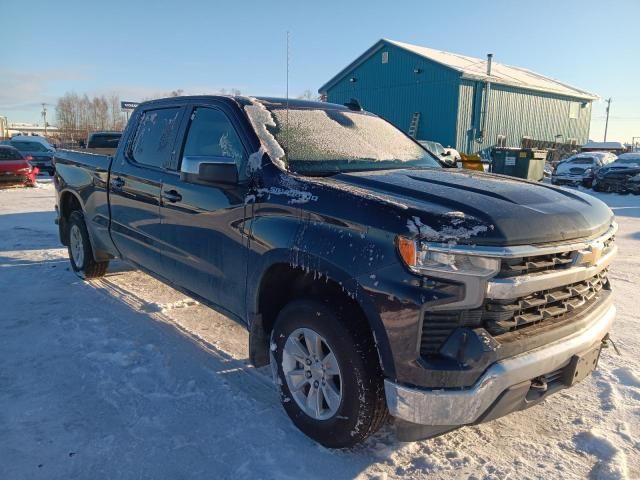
(142, 49)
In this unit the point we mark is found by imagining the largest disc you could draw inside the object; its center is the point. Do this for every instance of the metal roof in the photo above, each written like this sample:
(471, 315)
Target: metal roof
(475, 69)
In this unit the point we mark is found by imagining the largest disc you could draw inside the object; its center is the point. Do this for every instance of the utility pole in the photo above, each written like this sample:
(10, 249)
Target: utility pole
(606, 125)
(487, 92)
(44, 117)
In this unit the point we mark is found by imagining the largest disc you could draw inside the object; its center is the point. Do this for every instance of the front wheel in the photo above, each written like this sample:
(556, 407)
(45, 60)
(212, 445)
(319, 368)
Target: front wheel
(330, 381)
(80, 251)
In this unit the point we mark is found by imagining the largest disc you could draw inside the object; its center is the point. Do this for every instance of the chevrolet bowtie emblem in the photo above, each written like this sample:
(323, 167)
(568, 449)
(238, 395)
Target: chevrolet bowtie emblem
(590, 255)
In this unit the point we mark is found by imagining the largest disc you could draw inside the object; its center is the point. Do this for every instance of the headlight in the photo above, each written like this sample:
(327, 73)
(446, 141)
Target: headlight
(422, 258)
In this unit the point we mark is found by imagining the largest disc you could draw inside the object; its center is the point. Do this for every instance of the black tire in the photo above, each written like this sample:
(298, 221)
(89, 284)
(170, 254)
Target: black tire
(362, 409)
(88, 267)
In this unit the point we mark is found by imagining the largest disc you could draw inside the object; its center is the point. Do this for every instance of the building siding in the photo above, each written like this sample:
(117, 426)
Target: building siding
(451, 106)
(517, 113)
(395, 92)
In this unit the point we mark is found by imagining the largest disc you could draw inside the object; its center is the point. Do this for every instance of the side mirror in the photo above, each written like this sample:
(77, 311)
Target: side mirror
(209, 169)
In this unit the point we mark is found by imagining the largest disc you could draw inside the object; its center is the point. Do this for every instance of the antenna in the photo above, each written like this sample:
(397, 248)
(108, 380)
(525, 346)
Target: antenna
(287, 96)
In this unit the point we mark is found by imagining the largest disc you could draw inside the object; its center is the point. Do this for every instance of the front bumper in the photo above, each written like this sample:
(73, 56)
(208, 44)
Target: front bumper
(455, 407)
(570, 179)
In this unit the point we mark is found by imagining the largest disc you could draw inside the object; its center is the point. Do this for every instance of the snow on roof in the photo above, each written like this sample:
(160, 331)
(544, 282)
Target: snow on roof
(605, 145)
(476, 69)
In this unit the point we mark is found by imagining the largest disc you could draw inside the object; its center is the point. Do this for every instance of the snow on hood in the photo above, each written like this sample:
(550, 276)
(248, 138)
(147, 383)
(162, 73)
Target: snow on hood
(447, 233)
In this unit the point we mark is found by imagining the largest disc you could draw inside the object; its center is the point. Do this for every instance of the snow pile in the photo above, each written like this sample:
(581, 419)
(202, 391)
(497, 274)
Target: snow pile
(611, 460)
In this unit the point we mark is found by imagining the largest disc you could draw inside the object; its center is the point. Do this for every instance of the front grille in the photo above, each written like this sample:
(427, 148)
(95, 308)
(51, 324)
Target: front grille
(502, 316)
(512, 267)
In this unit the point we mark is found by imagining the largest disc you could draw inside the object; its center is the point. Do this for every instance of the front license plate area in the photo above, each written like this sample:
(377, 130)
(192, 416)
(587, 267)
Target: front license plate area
(581, 365)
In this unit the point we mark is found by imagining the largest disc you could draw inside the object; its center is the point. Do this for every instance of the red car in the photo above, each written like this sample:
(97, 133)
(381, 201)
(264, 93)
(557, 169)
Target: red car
(15, 167)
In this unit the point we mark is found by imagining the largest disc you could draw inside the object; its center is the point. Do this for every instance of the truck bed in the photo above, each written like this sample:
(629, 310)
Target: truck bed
(94, 159)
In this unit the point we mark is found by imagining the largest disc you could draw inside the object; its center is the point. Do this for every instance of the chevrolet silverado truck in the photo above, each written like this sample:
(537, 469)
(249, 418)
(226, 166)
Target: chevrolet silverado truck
(375, 283)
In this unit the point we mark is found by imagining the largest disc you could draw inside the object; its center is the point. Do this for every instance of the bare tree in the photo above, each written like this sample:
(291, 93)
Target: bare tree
(76, 115)
(308, 95)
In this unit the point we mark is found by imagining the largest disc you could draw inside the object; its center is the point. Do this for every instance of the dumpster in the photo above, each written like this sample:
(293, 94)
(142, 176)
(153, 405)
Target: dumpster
(471, 162)
(527, 163)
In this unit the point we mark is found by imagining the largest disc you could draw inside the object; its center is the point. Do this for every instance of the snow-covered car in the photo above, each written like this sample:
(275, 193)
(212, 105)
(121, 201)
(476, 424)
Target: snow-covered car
(580, 169)
(439, 151)
(453, 153)
(623, 175)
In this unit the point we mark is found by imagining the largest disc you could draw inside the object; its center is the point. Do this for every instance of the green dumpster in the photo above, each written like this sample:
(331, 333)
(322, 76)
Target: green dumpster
(527, 163)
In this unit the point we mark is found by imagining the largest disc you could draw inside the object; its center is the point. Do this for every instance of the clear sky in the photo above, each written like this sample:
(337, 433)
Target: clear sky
(141, 49)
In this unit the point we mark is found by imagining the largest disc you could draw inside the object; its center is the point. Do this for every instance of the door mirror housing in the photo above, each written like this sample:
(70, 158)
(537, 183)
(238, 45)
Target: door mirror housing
(209, 170)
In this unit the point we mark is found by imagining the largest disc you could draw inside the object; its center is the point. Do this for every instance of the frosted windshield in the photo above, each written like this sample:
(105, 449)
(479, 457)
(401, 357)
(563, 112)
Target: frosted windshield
(338, 140)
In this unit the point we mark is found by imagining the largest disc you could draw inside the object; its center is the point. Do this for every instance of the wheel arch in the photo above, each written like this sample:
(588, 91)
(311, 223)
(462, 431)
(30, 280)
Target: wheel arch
(70, 201)
(281, 281)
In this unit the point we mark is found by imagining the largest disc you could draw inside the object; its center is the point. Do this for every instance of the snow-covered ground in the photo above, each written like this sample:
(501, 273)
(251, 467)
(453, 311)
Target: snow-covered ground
(124, 377)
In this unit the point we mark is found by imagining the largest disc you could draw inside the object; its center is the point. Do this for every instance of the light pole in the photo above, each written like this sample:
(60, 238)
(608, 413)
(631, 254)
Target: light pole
(44, 117)
(606, 125)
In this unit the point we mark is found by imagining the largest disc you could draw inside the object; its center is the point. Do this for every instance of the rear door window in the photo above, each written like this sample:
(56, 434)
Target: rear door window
(153, 143)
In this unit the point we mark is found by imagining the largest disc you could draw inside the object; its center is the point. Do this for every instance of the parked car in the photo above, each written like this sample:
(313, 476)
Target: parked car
(108, 140)
(438, 150)
(372, 280)
(580, 169)
(40, 151)
(15, 168)
(453, 153)
(622, 176)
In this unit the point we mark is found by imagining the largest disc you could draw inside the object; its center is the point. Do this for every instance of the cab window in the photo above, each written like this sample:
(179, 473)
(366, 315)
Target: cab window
(211, 134)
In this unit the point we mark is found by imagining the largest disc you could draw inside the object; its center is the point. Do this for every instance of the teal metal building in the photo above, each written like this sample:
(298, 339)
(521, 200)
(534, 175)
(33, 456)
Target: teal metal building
(450, 98)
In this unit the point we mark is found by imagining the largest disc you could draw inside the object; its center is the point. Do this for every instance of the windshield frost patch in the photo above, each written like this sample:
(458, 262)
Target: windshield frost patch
(314, 135)
(260, 119)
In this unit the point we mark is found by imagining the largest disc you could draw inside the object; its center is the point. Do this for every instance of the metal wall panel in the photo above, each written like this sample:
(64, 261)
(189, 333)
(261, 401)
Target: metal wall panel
(394, 90)
(516, 113)
(451, 107)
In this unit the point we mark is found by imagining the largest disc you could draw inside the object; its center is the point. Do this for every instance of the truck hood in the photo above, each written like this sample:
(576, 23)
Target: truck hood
(483, 209)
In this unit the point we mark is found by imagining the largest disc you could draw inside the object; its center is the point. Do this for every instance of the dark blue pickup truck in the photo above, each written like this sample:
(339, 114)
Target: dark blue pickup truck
(372, 280)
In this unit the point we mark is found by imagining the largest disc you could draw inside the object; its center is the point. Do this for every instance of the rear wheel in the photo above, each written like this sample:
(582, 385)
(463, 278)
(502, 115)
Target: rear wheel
(328, 372)
(80, 251)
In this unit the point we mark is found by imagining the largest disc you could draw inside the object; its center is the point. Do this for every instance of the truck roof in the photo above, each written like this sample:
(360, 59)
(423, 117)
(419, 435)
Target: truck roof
(277, 102)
